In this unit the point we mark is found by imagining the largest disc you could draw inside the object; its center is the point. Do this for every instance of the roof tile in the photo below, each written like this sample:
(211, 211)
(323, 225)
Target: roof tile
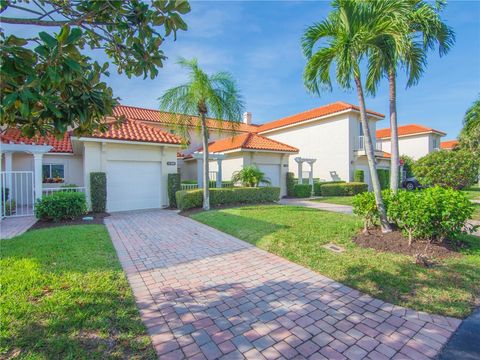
(325, 110)
(449, 144)
(410, 129)
(60, 145)
(250, 141)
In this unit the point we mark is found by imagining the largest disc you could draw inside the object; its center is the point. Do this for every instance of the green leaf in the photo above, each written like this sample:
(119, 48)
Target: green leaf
(75, 34)
(48, 39)
(64, 34)
(72, 64)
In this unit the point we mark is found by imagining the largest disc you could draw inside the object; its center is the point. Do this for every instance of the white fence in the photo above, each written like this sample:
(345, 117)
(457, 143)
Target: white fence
(48, 191)
(17, 193)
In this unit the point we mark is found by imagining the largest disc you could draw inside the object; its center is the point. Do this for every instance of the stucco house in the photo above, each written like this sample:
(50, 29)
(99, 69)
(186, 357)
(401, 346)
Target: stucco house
(138, 154)
(414, 140)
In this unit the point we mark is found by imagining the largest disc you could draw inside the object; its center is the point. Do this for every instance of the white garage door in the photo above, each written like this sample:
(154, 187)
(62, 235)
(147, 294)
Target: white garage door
(133, 185)
(272, 172)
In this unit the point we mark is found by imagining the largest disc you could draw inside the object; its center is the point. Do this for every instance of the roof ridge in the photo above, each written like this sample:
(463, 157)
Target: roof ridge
(275, 141)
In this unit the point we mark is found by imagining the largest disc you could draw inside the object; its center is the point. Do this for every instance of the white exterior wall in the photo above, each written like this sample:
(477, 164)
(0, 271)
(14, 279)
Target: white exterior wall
(415, 146)
(97, 154)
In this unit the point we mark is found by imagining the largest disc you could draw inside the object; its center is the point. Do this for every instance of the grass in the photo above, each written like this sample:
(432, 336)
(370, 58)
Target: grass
(473, 193)
(65, 296)
(297, 234)
(340, 200)
(476, 213)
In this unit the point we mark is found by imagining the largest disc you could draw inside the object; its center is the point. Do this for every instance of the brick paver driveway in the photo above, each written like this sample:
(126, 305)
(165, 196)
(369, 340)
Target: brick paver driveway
(204, 294)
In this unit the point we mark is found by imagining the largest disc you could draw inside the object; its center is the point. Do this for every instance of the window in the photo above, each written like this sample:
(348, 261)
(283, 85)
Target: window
(53, 173)
(361, 128)
(436, 143)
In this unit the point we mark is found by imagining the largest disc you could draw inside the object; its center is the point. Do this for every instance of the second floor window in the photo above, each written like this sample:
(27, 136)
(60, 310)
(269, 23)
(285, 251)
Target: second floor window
(360, 127)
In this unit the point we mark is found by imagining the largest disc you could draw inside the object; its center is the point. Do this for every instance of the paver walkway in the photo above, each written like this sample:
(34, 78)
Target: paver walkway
(11, 227)
(344, 209)
(205, 294)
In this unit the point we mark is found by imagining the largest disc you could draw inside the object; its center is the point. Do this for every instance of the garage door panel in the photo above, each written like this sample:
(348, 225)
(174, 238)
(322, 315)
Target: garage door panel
(133, 185)
(272, 172)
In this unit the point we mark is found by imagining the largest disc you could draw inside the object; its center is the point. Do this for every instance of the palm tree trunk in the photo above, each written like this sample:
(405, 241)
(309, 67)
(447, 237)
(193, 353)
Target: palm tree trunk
(395, 160)
(206, 178)
(371, 159)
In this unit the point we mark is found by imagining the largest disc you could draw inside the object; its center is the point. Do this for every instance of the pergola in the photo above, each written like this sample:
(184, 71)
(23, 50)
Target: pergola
(199, 157)
(300, 162)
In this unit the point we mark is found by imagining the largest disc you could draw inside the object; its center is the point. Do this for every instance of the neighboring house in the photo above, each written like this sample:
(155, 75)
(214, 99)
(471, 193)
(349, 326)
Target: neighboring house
(414, 140)
(448, 144)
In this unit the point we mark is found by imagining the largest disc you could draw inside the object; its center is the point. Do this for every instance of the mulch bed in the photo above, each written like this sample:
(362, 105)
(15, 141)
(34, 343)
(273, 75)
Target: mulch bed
(97, 220)
(395, 242)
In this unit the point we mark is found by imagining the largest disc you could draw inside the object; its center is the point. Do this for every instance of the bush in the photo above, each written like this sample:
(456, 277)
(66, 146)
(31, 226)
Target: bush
(343, 189)
(61, 206)
(408, 164)
(384, 178)
(290, 183)
(453, 169)
(434, 213)
(317, 187)
(189, 182)
(302, 190)
(98, 191)
(365, 206)
(173, 186)
(188, 199)
(359, 176)
(250, 176)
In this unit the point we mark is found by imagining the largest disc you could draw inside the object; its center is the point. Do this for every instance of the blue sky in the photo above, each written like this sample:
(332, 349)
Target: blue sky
(259, 43)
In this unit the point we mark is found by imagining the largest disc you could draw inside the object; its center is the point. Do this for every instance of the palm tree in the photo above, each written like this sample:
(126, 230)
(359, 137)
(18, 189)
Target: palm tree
(418, 28)
(343, 39)
(250, 176)
(215, 95)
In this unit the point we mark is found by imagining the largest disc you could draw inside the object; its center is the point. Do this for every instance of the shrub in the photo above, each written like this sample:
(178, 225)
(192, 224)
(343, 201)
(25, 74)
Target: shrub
(61, 205)
(189, 182)
(405, 211)
(384, 178)
(408, 164)
(290, 183)
(98, 191)
(454, 169)
(5, 193)
(365, 206)
(343, 189)
(250, 176)
(302, 190)
(173, 186)
(359, 176)
(317, 187)
(188, 199)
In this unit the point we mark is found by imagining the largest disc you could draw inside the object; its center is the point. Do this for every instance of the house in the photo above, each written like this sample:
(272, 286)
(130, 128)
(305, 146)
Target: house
(448, 144)
(138, 154)
(414, 140)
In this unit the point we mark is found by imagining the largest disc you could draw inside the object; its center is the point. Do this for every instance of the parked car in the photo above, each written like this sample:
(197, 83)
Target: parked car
(411, 183)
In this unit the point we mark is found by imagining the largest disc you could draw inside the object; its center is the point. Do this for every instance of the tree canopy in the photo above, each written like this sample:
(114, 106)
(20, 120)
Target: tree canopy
(49, 84)
(470, 134)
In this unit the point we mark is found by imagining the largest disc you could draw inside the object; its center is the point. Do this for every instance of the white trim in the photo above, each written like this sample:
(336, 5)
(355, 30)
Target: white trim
(60, 153)
(127, 142)
(413, 134)
(301, 122)
(261, 151)
(32, 149)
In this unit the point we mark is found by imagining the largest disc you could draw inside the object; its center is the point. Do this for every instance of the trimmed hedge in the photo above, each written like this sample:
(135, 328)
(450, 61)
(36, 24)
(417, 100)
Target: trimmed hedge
(290, 183)
(317, 187)
(359, 176)
(302, 190)
(98, 191)
(61, 205)
(384, 178)
(344, 189)
(174, 185)
(189, 199)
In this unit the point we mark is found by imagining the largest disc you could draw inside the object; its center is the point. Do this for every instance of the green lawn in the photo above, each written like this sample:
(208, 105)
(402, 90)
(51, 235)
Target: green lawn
(340, 200)
(65, 296)
(473, 193)
(297, 233)
(476, 214)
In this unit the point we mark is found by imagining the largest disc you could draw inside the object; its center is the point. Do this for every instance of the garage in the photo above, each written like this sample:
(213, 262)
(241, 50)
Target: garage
(272, 172)
(133, 185)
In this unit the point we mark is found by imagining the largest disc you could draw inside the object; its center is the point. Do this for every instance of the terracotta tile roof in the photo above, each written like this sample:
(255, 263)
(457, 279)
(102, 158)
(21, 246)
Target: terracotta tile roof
(249, 141)
(130, 130)
(449, 144)
(60, 145)
(136, 113)
(325, 110)
(410, 129)
(386, 155)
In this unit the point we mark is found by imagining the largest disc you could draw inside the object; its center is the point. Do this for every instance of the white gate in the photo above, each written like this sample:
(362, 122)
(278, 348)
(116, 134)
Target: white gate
(17, 193)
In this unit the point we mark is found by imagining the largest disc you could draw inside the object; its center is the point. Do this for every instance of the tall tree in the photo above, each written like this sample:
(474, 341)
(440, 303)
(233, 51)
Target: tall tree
(215, 95)
(417, 29)
(48, 84)
(343, 39)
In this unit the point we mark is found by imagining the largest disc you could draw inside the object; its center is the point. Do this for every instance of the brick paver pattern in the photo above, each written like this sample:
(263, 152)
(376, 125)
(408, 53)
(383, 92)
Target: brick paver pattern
(14, 226)
(206, 295)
